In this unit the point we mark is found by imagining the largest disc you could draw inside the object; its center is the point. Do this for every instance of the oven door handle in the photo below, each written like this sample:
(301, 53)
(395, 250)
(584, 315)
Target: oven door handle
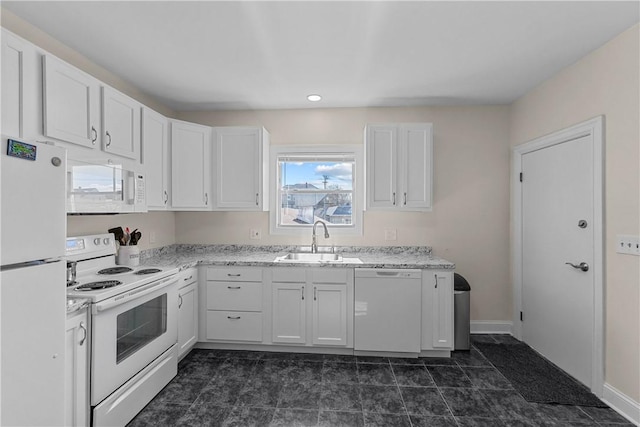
(136, 293)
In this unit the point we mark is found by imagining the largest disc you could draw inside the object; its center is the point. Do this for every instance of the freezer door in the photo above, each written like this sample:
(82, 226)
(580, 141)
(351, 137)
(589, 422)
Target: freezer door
(33, 220)
(32, 345)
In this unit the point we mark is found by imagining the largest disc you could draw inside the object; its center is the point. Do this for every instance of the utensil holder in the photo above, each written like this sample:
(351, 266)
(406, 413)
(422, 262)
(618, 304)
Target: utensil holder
(128, 255)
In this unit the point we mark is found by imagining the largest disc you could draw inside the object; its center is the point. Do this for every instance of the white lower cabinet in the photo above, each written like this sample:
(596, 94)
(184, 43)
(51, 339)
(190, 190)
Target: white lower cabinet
(187, 311)
(437, 310)
(233, 304)
(329, 314)
(289, 320)
(312, 306)
(76, 387)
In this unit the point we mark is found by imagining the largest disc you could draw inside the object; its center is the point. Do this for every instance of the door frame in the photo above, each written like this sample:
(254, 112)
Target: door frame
(594, 128)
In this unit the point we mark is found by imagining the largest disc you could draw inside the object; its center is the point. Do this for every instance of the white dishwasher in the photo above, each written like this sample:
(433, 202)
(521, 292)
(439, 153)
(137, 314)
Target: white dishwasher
(387, 310)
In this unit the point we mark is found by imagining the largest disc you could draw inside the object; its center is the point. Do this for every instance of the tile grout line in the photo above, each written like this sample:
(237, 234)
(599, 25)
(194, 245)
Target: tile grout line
(404, 405)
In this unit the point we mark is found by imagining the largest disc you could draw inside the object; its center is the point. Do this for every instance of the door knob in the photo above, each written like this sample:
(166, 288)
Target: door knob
(582, 266)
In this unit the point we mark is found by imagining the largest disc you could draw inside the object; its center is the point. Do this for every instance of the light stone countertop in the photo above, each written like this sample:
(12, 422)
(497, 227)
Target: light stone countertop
(184, 256)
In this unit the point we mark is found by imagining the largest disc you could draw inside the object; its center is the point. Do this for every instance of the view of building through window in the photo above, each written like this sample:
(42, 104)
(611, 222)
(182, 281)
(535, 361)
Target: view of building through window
(317, 189)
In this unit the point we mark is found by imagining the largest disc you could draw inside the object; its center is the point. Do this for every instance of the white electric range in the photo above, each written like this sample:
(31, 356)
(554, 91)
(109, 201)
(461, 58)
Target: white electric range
(133, 327)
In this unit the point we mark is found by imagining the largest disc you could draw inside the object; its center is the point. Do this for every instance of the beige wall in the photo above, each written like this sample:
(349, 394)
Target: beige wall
(162, 224)
(606, 82)
(469, 222)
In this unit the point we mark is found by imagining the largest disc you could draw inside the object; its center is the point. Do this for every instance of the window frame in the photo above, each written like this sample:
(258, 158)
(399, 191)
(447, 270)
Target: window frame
(357, 201)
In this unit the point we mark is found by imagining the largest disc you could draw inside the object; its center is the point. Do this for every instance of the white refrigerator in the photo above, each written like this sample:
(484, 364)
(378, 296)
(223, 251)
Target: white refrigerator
(32, 283)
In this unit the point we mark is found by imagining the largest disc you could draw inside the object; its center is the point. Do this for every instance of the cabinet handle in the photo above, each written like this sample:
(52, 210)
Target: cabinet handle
(109, 135)
(180, 304)
(394, 198)
(405, 199)
(436, 276)
(303, 293)
(233, 275)
(84, 337)
(94, 133)
(188, 278)
(233, 317)
(166, 197)
(315, 293)
(206, 198)
(257, 199)
(234, 287)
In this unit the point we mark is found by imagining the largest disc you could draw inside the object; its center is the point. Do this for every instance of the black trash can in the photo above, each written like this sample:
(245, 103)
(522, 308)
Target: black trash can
(461, 310)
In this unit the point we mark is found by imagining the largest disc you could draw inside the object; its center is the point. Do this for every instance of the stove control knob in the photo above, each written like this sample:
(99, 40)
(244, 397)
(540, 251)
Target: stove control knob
(96, 241)
(106, 240)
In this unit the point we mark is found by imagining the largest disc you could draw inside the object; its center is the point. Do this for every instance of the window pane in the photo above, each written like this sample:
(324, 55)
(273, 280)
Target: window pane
(316, 190)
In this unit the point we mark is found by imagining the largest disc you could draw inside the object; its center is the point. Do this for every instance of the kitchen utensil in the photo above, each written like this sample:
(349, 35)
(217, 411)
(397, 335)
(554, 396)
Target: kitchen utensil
(118, 233)
(135, 237)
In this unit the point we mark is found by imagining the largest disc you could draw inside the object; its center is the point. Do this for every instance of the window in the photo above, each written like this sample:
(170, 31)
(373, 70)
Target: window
(316, 184)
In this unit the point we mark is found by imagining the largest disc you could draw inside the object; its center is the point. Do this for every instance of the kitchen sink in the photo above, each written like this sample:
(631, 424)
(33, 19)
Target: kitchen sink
(309, 257)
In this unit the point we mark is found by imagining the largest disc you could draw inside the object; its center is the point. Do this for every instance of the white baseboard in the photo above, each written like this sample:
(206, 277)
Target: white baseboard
(622, 404)
(491, 327)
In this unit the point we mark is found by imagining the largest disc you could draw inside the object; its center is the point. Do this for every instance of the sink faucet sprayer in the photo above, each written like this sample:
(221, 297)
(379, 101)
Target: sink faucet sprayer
(314, 242)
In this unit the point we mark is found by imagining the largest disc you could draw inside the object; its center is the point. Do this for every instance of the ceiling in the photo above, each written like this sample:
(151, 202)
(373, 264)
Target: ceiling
(206, 55)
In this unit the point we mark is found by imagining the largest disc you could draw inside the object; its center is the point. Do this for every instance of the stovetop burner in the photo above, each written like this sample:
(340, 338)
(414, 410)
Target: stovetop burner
(103, 284)
(148, 271)
(115, 270)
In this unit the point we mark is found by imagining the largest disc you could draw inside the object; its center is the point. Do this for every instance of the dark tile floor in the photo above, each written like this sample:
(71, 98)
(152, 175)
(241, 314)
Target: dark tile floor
(234, 388)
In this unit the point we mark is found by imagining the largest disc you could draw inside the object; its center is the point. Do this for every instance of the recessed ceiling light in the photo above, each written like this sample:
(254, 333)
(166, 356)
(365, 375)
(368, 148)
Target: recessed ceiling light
(314, 98)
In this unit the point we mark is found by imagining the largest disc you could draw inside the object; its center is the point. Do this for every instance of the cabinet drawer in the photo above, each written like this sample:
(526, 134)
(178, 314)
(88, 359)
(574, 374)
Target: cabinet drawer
(188, 276)
(234, 326)
(238, 296)
(329, 275)
(289, 275)
(235, 274)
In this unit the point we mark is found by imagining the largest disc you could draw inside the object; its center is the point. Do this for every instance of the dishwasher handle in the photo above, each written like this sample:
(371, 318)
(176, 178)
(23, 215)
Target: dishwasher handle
(388, 273)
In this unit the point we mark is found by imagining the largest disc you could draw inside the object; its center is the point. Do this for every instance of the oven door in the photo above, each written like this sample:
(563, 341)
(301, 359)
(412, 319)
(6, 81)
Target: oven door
(129, 332)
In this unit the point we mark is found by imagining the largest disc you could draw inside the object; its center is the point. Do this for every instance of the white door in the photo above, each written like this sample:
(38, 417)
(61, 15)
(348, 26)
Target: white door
(238, 168)
(120, 124)
(289, 314)
(416, 164)
(558, 228)
(71, 103)
(155, 157)
(190, 165)
(381, 148)
(329, 314)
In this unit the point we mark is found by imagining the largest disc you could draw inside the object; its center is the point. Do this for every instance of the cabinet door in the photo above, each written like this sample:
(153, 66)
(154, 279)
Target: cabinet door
(239, 168)
(289, 324)
(71, 103)
(415, 166)
(437, 306)
(329, 314)
(76, 387)
(21, 102)
(120, 124)
(190, 165)
(187, 318)
(381, 149)
(155, 158)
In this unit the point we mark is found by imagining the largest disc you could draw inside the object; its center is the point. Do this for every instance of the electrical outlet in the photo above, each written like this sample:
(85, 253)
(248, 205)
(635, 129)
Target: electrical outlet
(255, 234)
(390, 234)
(627, 244)
(152, 237)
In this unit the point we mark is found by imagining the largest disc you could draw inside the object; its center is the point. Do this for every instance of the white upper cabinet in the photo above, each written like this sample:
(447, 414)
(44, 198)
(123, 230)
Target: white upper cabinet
(241, 157)
(21, 88)
(399, 166)
(155, 158)
(190, 166)
(71, 103)
(120, 124)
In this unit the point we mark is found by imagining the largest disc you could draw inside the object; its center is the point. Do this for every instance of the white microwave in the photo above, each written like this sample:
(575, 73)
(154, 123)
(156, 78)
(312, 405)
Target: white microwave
(103, 188)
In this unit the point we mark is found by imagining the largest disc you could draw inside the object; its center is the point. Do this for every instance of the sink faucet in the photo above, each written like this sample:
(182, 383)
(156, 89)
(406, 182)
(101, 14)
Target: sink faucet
(314, 241)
